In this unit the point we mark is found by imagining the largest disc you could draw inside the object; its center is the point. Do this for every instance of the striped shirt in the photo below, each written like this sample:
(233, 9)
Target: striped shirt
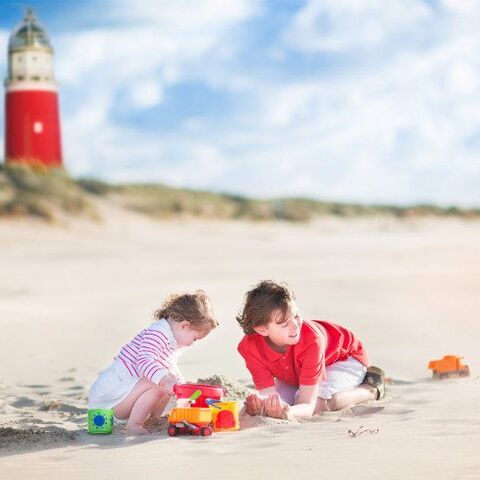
(152, 353)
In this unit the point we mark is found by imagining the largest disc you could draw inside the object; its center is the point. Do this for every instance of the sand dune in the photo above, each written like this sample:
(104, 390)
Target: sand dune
(70, 295)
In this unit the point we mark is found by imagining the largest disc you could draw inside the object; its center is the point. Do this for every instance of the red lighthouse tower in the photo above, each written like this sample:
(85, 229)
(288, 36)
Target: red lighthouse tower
(32, 121)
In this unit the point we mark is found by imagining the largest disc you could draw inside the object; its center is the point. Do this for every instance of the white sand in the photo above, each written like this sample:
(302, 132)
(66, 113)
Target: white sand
(70, 295)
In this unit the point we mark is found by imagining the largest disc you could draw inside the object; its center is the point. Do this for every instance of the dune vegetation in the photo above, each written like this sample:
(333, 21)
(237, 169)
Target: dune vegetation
(53, 194)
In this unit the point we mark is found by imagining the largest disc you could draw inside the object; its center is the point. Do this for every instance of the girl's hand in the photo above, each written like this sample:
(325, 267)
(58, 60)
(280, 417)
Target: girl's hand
(254, 404)
(167, 382)
(274, 407)
(176, 373)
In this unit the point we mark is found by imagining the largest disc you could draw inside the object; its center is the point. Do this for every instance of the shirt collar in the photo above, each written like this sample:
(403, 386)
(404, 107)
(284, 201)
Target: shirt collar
(168, 332)
(271, 354)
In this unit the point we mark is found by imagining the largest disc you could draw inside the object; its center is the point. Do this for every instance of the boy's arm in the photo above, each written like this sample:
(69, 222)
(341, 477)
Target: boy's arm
(266, 392)
(305, 402)
(311, 372)
(304, 406)
(261, 375)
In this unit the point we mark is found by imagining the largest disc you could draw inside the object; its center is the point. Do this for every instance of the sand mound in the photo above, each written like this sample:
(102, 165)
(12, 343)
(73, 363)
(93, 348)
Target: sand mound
(39, 417)
(14, 440)
(234, 390)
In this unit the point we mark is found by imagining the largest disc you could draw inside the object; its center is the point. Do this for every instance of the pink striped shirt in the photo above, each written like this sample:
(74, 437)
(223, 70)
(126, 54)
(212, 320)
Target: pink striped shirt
(152, 353)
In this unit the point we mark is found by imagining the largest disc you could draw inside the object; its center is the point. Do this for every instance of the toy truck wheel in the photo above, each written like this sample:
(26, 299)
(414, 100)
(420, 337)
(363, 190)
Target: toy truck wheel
(172, 430)
(205, 431)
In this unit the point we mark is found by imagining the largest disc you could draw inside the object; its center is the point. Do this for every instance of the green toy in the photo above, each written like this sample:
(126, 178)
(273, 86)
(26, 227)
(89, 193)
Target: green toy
(100, 421)
(195, 395)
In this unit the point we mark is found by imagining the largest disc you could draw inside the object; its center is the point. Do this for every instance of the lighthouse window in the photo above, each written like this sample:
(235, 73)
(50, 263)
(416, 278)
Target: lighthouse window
(38, 127)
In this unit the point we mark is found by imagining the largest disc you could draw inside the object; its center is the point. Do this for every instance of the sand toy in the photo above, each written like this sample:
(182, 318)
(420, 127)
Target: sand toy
(187, 390)
(190, 421)
(100, 421)
(200, 411)
(225, 416)
(450, 366)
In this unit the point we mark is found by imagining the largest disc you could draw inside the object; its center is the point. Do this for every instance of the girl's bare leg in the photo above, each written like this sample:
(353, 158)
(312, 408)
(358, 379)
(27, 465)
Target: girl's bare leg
(139, 404)
(160, 408)
(347, 398)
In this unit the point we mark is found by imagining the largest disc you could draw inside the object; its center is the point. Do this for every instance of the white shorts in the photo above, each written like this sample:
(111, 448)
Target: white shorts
(341, 376)
(111, 387)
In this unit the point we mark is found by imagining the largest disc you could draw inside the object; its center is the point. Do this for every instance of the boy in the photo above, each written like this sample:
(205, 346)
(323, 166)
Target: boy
(300, 367)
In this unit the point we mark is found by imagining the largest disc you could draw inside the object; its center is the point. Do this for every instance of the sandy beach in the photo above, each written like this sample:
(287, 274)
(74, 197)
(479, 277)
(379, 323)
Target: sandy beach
(71, 295)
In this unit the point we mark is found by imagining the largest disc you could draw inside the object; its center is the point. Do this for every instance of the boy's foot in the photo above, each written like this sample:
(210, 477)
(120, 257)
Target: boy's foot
(376, 378)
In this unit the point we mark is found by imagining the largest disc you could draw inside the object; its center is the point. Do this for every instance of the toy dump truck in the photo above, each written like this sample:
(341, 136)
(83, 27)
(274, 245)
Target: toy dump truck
(200, 411)
(190, 421)
(450, 366)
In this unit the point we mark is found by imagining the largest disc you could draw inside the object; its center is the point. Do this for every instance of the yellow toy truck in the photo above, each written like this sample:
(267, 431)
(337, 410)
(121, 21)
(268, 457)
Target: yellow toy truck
(450, 366)
(190, 421)
(200, 411)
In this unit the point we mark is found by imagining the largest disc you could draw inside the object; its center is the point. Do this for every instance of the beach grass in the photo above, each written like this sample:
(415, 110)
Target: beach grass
(50, 194)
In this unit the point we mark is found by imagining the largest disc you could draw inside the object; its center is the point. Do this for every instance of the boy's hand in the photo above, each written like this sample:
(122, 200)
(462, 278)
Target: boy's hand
(274, 407)
(271, 405)
(254, 404)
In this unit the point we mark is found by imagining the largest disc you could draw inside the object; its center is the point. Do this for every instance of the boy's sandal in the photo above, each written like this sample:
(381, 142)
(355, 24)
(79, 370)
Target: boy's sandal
(376, 378)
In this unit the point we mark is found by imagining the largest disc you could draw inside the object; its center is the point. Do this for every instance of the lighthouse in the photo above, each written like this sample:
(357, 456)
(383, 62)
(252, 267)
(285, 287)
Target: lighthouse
(32, 120)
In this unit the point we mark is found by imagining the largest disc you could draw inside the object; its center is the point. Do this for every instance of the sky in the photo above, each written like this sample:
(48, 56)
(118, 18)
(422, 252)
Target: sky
(370, 101)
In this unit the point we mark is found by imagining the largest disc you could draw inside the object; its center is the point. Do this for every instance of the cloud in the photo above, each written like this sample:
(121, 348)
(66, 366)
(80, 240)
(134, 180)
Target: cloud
(145, 38)
(3, 45)
(394, 128)
(145, 94)
(329, 25)
(183, 15)
(359, 101)
(130, 63)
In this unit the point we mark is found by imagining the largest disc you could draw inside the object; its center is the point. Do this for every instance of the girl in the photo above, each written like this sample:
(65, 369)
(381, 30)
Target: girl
(140, 380)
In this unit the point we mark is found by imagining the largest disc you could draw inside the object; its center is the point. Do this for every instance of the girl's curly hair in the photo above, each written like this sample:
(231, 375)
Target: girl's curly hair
(195, 308)
(261, 301)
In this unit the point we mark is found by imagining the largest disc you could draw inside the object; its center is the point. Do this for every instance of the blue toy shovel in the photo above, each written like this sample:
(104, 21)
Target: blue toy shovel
(212, 402)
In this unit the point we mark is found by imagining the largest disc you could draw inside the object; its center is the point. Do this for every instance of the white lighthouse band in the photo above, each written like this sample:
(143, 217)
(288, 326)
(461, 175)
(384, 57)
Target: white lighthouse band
(33, 85)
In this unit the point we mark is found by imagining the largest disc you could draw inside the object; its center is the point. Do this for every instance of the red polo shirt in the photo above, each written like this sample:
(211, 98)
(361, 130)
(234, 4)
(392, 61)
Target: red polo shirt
(321, 344)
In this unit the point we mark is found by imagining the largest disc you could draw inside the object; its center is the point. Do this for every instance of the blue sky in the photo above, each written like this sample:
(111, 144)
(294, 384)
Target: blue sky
(354, 100)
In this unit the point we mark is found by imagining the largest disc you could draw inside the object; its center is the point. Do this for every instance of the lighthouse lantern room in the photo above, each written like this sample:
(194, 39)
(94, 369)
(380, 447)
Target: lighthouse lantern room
(32, 121)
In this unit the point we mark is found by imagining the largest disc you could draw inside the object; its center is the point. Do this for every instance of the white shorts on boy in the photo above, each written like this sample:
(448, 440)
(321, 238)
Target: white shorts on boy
(343, 375)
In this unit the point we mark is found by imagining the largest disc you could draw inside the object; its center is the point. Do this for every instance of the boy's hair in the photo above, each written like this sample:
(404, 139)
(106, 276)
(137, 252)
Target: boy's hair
(260, 303)
(194, 308)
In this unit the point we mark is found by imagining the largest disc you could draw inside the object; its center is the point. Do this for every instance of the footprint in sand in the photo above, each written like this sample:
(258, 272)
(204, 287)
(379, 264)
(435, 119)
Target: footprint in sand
(35, 386)
(59, 406)
(23, 402)
(76, 387)
(362, 411)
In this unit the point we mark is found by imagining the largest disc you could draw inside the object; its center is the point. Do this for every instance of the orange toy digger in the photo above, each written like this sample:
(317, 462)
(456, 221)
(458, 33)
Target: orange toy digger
(449, 366)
